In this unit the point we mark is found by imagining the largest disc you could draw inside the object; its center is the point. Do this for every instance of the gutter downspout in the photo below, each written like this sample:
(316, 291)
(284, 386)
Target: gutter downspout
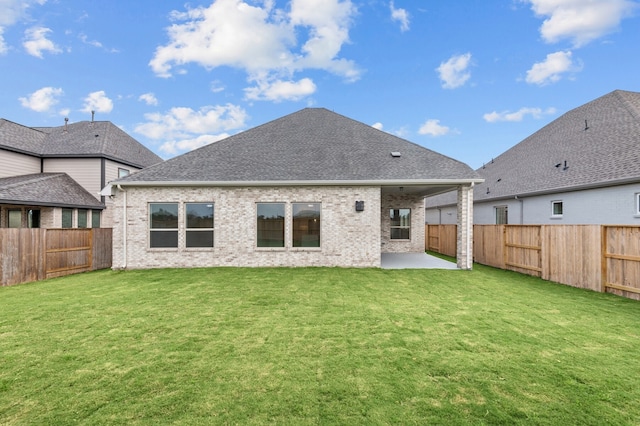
(124, 227)
(521, 210)
(470, 240)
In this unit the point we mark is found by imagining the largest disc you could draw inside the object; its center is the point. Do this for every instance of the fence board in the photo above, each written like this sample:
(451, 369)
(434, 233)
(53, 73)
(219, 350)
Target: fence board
(523, 249)
(35, 254)
(441, 239)
(487, 245)
(572, 255)
(620, 263)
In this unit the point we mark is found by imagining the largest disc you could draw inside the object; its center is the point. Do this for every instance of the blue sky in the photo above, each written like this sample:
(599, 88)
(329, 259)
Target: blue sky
(468, 79)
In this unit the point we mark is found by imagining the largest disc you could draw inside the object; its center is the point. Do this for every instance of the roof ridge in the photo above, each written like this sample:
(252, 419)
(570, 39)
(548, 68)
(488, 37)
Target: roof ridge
(38, 177)
(625, 102)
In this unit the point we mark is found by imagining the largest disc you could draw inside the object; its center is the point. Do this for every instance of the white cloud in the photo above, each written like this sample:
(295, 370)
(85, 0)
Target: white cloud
(264, 41)
(281, 90)
(551, 69)
(400, 15)
(183, 128)
(42, 99)
(519, 115)
(11, 12)
(432, 127)
(175, 147)
(148, 98)
(98, 102)
(36, 42)
(377, 125)
(581, 21)
(453, 72)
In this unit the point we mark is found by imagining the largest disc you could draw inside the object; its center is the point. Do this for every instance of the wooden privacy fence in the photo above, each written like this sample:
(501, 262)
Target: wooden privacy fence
(596, 257)
(35, 254)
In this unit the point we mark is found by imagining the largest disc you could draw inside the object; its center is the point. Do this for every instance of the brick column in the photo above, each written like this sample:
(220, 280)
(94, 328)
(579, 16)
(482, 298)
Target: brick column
(464, 243)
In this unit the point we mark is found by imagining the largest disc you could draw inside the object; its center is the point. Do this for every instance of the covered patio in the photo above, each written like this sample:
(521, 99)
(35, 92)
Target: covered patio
(414, 261)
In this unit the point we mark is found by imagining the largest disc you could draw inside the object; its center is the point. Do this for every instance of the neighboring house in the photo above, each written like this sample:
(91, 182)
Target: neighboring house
(582, 168)
(313, 188)
(52, 176)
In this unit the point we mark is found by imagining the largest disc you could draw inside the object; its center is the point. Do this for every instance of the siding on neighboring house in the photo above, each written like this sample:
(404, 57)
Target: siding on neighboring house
(14, 164)
(85, 171)
(616, 205)
(348, 238)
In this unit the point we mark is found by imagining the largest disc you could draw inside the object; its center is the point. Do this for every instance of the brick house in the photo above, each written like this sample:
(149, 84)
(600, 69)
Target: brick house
(312, 188)
(51, 177)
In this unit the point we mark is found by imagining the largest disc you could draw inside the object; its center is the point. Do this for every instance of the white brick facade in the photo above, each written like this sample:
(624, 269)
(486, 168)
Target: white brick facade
(348, 238)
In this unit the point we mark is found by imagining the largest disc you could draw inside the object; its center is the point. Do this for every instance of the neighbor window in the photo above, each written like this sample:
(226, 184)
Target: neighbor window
(67, 218)
(400, 224)
(163, 225)
(82, 218)
(33, 219)
(306, 224)
(199, 229)
(270, 224)
(14, 219)
(556, 209)
(95, 218)
(122, 172)
(638, 203)
(502, 215)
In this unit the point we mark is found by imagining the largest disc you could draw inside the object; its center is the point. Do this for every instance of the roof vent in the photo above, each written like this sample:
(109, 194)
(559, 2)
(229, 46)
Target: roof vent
(395, 154)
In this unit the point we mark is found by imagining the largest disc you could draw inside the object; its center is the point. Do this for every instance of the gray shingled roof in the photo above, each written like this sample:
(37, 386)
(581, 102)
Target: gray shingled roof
(84, 139)
(96, 138)
(313, 144)
(46, 189)
(599, 141)
(21, 138)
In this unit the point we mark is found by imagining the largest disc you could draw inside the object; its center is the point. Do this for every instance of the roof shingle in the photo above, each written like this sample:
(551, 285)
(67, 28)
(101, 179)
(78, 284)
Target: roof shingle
(313, 144)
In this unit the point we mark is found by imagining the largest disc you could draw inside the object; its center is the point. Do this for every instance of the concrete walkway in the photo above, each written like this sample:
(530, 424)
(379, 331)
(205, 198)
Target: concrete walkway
(414, 261)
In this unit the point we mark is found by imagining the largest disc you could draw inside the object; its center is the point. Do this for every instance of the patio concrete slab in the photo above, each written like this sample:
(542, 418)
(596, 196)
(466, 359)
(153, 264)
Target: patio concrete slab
(414, 261)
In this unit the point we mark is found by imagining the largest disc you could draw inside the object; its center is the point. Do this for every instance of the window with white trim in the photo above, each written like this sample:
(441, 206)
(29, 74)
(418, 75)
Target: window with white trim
(638, 203)
(163, 225)
(400, 224)
(199, 224)
(556, 208)
(122, 172)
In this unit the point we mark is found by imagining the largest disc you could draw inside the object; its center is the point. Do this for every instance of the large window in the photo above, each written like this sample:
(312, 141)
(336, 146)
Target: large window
(14, 219)
(163, 225)
(199, 229)
(400, 224)
(556, 209)
(306, 224)
(67, 218)
(82, 218)
(270, 224)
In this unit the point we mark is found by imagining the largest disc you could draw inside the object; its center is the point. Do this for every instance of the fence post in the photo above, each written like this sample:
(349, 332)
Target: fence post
(603, 257)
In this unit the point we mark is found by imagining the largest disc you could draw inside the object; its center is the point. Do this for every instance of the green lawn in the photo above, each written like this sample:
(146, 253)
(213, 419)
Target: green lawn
(316, 346)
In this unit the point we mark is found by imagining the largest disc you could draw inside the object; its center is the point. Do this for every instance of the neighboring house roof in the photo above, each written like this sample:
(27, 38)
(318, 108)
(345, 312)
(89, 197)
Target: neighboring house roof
(83, 139)
(17, 137)
(46, 189)
(594, 145)
(311, 145)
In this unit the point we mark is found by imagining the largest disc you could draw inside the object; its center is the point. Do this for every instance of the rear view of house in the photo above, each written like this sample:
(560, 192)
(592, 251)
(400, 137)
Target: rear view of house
(313, 188)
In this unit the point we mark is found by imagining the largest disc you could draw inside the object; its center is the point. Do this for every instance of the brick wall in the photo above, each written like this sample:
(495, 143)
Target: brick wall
(348, 238)
(401, 201)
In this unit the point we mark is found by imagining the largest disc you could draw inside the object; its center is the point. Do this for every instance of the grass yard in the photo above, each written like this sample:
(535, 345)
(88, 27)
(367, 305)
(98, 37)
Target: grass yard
(316, 346)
